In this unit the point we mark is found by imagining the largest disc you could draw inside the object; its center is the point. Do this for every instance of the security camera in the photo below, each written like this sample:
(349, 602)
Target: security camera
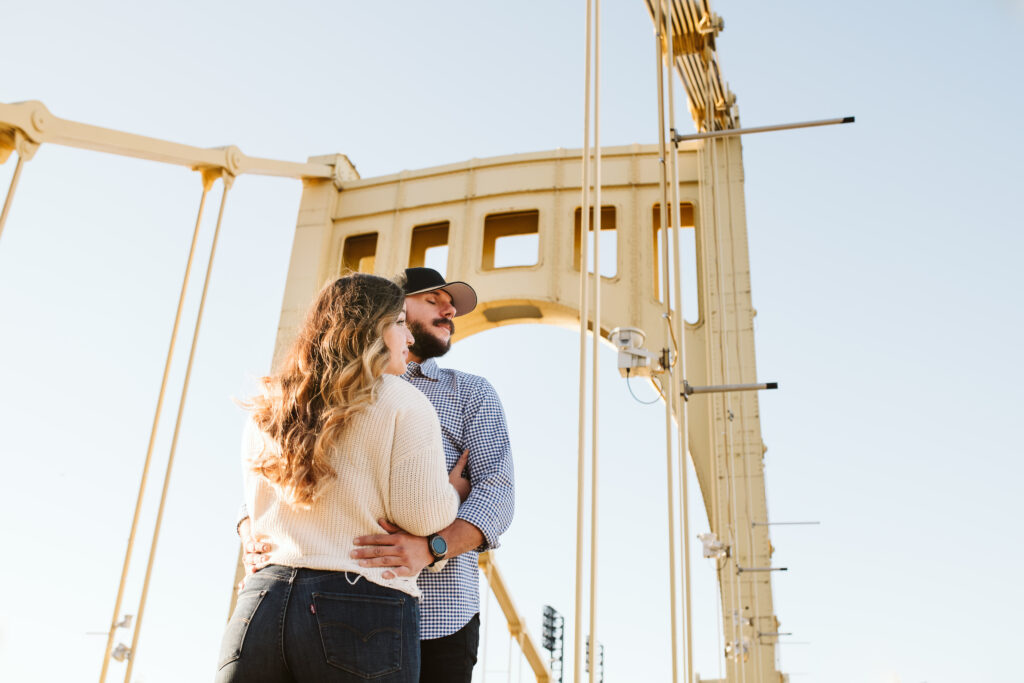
(634, 359)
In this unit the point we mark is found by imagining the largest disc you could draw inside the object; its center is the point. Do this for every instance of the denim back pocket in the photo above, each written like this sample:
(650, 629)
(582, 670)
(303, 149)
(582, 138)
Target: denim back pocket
(234, 634)
(361, 634)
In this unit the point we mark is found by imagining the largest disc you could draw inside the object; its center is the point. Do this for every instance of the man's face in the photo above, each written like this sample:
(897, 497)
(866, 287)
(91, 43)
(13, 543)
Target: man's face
(429, 317)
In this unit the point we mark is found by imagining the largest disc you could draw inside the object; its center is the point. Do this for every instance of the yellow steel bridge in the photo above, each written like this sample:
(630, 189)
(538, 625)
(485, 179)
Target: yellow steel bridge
(701, 361)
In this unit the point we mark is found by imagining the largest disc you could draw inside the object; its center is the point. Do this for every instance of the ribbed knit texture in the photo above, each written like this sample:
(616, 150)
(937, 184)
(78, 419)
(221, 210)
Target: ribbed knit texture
(390, 465)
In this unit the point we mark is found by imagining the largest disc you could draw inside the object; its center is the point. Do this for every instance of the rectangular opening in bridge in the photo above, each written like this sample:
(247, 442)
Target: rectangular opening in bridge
(687, 260)
(430, 247)
(511, 240)
(359, 252)
(609, 246)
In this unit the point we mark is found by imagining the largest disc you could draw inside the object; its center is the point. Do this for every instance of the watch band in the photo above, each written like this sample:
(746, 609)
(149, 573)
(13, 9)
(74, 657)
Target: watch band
(438, 548)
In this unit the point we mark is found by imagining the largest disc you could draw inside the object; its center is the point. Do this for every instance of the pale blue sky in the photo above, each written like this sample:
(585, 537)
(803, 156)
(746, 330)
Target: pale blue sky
(885, 270)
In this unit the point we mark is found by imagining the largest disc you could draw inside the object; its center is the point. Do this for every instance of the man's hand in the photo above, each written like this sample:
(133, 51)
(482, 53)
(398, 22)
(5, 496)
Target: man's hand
(406, 553)
(460, 483)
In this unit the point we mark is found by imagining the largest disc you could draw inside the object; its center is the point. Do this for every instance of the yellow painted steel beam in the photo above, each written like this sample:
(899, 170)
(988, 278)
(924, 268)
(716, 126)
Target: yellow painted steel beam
(694, 30)
(516, 627)
(35, 122)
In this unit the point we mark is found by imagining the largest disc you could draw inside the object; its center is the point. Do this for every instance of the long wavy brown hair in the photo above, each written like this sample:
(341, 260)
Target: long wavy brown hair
(331, 372)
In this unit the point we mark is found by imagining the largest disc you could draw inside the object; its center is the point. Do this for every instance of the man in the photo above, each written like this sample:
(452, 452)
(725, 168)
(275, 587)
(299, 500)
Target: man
(473, 421)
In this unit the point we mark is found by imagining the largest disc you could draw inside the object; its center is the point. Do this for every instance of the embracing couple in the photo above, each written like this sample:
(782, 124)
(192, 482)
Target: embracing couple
(372, 479)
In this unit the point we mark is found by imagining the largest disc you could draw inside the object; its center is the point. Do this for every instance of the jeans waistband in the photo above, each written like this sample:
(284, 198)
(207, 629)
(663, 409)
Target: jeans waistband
(280, 572)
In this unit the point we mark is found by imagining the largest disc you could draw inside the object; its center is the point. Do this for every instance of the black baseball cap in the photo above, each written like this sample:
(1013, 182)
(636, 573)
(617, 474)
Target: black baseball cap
(420, 280)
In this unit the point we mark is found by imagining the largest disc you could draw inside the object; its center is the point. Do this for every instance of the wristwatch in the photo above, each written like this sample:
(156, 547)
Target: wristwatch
(438, 548)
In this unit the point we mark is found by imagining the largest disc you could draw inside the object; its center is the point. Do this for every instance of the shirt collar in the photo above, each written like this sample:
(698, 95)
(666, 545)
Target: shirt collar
(427, 368)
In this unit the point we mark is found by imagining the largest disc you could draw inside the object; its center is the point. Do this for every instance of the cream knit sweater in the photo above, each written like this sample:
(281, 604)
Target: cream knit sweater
(390, 464)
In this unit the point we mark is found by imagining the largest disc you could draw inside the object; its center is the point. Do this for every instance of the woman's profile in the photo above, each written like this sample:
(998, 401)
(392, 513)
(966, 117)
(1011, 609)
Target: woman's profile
(335, 442)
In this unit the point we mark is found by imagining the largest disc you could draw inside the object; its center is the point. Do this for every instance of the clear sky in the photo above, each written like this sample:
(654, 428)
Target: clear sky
(885, 260)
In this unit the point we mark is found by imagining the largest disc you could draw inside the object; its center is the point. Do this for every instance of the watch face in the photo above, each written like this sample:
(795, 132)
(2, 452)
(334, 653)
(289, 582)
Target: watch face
(438, 546)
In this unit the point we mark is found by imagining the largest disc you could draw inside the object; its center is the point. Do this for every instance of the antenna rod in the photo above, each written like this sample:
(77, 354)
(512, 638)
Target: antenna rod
(780, 523)
(761, 129)
(688, 389)
(740, 570)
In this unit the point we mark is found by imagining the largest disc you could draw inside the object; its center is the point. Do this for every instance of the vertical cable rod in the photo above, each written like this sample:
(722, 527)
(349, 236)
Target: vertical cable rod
(152, 435)
(758, 661)
(595, 357)
(705, 219)
(678, 320)
(584, 315)
(723, 346)
(715, 519)
(9, 199)
(670, 396)
(227, 180)
(711, 158)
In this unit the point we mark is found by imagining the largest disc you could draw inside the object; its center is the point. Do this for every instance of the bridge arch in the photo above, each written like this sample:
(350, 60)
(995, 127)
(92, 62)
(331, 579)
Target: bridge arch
(385, 224)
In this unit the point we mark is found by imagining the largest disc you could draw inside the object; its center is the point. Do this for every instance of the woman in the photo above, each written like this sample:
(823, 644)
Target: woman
(335, 443)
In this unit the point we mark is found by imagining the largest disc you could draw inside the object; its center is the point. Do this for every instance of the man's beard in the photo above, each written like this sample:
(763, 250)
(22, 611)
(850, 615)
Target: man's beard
(425, 344)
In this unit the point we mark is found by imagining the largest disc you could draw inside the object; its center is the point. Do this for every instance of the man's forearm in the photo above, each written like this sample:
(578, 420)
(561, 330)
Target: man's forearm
(461, 536)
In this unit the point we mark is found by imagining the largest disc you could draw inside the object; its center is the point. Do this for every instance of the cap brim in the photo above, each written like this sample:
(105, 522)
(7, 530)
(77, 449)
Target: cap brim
(463, 296)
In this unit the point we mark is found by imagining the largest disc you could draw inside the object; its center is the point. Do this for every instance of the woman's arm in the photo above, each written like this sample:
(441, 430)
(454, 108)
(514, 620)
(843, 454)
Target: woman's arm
(422, 500)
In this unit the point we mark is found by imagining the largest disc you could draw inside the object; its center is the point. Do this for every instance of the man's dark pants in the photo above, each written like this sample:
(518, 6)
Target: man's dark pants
(451, 659)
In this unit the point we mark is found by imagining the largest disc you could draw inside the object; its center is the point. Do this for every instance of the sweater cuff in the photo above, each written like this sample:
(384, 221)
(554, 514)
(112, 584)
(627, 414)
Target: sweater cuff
(243, 514)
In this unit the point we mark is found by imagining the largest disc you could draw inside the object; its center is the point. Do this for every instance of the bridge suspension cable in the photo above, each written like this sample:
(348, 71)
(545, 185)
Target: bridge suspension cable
(596, 338)
(592, 72)
(584, 314)
(669, 394)
(676, 327)
(208, 179)
(152, 435)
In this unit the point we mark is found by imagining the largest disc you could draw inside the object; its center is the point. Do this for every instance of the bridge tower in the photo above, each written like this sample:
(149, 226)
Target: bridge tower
(385, 224)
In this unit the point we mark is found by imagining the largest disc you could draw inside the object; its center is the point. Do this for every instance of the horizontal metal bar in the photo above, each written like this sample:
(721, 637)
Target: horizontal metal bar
(761, 129)
(38, 125)
(740, 570)
(689, 390)
(776, 633)
(780, 523)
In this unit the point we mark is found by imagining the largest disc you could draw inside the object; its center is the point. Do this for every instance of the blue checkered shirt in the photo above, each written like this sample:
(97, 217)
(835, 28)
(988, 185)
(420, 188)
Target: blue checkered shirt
(471, 417)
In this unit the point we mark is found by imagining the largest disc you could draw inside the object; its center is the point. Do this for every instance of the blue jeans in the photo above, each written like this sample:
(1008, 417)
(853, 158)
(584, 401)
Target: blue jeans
(298, 625)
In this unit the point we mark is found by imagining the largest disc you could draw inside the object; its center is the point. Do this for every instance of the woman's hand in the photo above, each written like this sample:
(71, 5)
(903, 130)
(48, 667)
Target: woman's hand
(460, 483)
(254, 555)
(254, 551)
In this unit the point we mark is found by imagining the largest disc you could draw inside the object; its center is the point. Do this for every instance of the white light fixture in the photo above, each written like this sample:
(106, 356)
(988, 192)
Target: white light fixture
(634, 360)
(712, 546)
